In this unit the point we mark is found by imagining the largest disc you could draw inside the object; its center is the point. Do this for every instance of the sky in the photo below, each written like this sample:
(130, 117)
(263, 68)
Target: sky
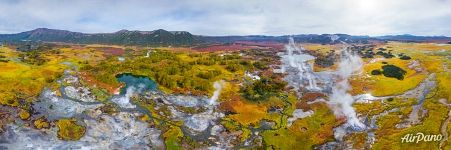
(231, 17)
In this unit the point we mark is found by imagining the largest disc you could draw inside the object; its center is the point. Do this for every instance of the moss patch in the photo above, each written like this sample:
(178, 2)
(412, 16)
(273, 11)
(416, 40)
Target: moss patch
(41, 123)
(23, 114)
(69, 130)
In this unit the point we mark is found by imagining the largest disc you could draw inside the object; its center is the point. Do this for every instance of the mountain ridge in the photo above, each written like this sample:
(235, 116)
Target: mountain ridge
(162, 37)
(122, 37)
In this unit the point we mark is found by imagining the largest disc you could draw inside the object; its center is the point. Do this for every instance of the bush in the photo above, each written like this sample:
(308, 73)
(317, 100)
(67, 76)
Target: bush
(404, 57)
(262, 89)
(209, 74)
(233, 67)
(390, 99)
(261, 65)
(393, 71)
(386, 55)
(206, 61)
(324, 61)
(376, 72)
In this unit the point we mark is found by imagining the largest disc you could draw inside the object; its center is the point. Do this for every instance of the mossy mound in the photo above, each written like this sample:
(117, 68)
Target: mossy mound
(376, 72)
(23, 114)
(69, 130)
(41, 123)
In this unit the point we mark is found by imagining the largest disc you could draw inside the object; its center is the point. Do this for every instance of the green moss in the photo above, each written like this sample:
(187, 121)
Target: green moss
(41, 123)
(304, 133)
(245, 134)
(100, 94)
(69, 130)
(23, 114)
(172, 138)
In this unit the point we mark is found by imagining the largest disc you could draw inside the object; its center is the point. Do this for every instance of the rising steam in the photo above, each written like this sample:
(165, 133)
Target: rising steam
(200, 122)
(340, 100)
(296, 61)
(148, 53)
(218, 87)
(124, 100)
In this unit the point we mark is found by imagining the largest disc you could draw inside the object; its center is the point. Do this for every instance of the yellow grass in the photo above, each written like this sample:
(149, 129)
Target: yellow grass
(247, 113)
(25, 79)
(21, 80)
(418, 46)
(323, 49)
(102, 45)
(23, 114)
(388, 135)
(41, 124)
(379, 85)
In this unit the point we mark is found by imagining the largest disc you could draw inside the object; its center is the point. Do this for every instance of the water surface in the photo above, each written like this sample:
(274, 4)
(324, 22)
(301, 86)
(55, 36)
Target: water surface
(136, 81)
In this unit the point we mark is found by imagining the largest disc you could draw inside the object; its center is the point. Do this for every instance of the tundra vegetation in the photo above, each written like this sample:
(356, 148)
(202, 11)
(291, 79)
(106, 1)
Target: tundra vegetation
(249, 105)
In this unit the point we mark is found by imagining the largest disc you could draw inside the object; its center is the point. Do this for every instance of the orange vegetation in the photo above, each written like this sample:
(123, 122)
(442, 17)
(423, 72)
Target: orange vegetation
(93, 82)
(245, 113)
(311, 96)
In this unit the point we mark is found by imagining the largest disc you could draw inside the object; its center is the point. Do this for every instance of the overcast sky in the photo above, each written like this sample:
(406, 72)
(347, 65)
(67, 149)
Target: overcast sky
(231, 17)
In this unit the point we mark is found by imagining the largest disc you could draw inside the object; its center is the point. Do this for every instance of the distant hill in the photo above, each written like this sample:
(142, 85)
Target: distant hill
(122, 37)
(308, 38)
(162, 37)
(327, 38)
(413, 38)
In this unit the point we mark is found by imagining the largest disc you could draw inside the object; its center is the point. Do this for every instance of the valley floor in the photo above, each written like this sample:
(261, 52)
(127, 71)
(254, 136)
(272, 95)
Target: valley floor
(117, 97)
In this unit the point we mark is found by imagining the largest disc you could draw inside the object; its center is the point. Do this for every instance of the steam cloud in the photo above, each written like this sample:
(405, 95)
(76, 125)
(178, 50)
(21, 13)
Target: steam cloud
(218, 87)
(200, 122)
(148, 53)
(124, 101)
(340, 100)
(298, 61)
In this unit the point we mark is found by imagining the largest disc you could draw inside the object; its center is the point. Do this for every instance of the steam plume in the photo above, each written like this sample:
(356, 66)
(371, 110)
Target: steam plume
(340, 100)
(297, 60)
(218, 87)
(148, 53)
(124, 101)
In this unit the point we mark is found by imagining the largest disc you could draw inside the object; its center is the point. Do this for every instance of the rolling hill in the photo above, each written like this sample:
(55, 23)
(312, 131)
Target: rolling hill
(122, 37)
(162, 37)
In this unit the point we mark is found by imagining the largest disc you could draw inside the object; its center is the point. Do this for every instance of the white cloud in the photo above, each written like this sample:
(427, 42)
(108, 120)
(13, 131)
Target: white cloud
(232, 17)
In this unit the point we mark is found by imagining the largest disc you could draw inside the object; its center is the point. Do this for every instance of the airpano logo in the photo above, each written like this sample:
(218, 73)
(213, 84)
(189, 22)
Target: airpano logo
(420, 137)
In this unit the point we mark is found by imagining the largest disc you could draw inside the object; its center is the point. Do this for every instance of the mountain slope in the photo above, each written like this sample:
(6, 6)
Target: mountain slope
(413, 38)
(123, 37)
(309, 38)
(162, 37)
